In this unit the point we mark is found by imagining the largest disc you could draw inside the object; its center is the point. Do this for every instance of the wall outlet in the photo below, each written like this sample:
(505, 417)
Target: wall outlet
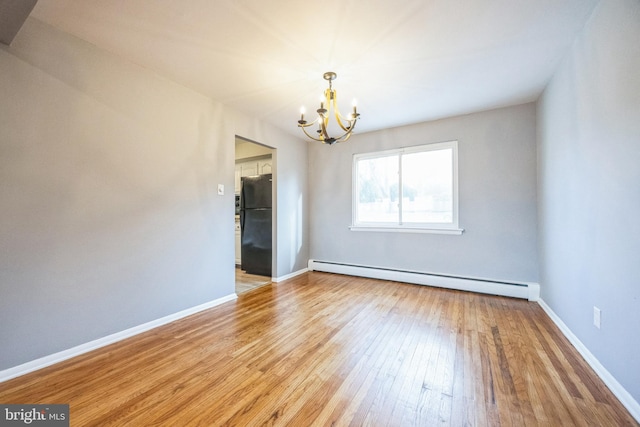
(596, 317)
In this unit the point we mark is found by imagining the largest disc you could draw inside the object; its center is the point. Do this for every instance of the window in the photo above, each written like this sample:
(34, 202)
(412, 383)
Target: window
(409, 189)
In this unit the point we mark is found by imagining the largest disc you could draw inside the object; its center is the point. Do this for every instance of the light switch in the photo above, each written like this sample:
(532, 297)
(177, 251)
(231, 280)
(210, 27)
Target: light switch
(220, 189)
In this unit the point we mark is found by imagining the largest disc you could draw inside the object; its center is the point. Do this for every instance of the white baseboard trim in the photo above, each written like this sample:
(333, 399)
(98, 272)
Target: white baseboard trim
(616, 388)
(289, 276)
(52, 359)
(530, 291)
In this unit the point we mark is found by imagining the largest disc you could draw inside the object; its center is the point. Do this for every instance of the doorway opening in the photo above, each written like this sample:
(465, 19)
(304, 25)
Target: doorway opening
(255, 214)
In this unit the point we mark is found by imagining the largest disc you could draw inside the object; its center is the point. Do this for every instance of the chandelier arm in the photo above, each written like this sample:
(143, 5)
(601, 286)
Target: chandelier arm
(306, 125)
(324, 116)
(339, 116)
(323, 128)
(342, 138)
(351, 123)
(307, 133)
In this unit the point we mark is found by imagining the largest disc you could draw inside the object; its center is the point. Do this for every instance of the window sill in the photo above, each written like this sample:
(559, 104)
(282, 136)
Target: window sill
(453, 231)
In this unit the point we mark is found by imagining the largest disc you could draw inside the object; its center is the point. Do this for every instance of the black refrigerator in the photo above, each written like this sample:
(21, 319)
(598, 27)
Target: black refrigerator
(255, 224)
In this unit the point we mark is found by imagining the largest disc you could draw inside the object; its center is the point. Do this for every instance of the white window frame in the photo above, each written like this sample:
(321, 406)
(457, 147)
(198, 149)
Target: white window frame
(438, 228)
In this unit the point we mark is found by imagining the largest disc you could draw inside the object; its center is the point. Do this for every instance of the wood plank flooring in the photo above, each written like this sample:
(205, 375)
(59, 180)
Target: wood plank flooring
(324, 349)
(246, 282)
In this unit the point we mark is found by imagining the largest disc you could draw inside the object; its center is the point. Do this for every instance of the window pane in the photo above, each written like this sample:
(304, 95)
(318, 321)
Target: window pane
(377, 189)
(427, 187)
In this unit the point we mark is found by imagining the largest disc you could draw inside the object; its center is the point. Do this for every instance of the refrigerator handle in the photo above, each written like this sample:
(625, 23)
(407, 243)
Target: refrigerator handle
(241, 205)
(242, 202)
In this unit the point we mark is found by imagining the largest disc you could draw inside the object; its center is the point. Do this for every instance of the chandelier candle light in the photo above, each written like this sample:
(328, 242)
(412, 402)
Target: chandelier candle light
(330, 101)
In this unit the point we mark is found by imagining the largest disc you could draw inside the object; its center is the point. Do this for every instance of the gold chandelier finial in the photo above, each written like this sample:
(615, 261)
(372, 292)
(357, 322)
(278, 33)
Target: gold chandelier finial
(329, 100)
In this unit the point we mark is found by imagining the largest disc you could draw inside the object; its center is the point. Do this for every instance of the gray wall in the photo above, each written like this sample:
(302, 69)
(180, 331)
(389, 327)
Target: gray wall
(589, 189)
(497, 184)
(108, 177)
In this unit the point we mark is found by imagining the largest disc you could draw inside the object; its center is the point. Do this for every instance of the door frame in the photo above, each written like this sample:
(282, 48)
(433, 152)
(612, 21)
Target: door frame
(274, 209)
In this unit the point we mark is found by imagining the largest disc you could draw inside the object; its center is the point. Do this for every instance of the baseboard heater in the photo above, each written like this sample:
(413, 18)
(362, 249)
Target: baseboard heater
(530, 291)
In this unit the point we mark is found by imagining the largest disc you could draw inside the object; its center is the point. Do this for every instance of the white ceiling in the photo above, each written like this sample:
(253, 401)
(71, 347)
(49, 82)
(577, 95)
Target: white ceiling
(405, 61)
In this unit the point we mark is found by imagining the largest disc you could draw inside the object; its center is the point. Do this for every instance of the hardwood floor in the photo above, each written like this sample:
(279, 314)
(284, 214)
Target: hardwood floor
(324, 349)
(247, 282)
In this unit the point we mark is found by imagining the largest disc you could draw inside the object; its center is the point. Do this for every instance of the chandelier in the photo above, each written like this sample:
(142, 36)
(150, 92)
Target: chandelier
(322, 121)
